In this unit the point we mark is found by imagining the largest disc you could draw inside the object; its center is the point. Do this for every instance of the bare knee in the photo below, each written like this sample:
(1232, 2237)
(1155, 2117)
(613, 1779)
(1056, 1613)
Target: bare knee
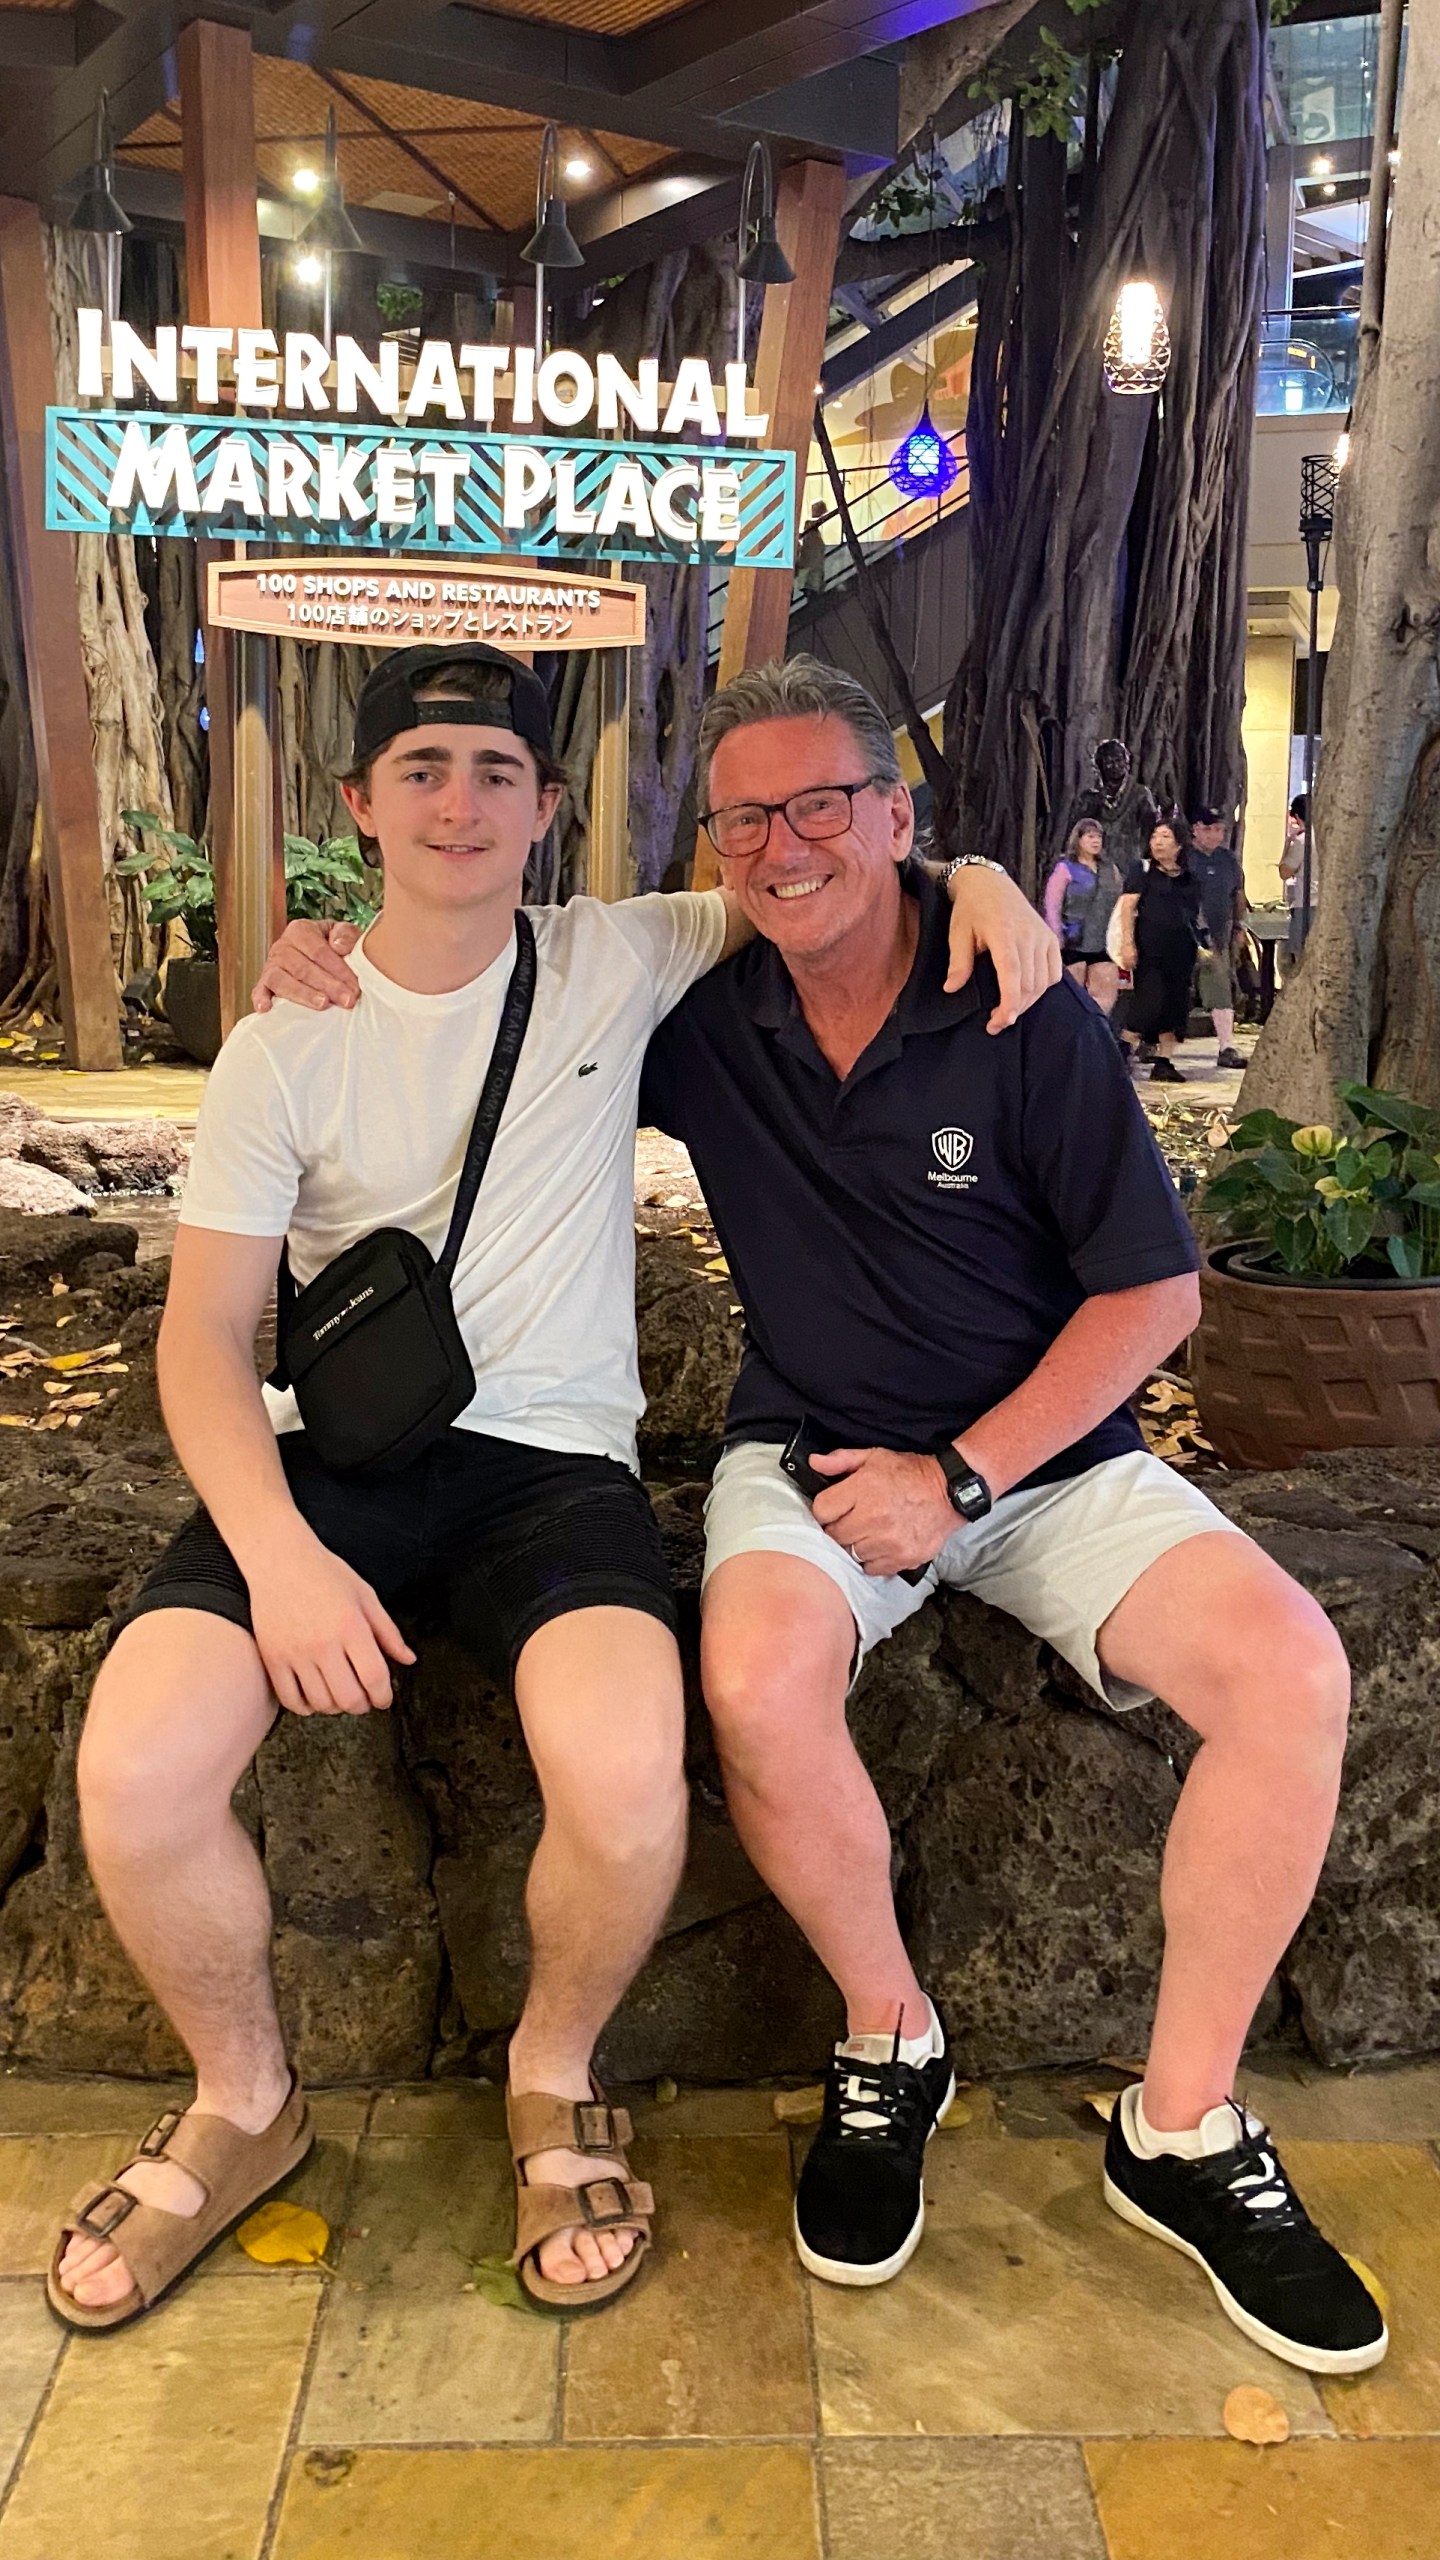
(774, 1692)
(163, 1744)
(623, 1798)
(1288, 1693)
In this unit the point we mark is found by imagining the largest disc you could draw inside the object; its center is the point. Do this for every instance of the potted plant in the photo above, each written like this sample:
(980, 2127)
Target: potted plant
(1320, 1313)
(177, 876)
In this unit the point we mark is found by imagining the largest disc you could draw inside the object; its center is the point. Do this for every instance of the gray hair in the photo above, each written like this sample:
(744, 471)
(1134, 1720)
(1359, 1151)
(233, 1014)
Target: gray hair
(795, 689)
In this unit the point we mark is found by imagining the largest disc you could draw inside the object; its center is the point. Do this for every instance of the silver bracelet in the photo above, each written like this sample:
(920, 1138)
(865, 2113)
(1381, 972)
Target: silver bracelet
(972, 862)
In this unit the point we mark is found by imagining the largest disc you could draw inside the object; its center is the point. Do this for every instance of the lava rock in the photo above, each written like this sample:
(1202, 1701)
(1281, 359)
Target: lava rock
(36, 1250)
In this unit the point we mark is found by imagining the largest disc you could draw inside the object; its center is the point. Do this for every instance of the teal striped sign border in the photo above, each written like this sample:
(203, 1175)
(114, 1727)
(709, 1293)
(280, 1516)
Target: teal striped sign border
(82, 447)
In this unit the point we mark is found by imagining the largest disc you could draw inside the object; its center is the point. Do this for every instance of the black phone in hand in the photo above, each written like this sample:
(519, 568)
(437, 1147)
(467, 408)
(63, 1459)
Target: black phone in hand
(805, 1443)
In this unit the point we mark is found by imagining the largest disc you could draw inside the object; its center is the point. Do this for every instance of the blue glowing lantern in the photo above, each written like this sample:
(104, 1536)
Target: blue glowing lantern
(924, 466)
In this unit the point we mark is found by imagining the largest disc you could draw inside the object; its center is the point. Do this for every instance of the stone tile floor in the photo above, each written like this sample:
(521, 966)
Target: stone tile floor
(1042, 2384)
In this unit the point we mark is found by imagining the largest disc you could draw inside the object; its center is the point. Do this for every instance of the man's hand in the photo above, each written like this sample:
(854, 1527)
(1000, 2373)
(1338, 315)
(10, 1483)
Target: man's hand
(891, 1510)
(307, 966)
(323, 1635)
(990, 914)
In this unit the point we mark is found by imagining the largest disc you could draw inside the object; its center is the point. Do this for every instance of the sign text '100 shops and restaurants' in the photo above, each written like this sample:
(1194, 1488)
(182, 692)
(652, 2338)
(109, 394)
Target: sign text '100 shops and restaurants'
(668, 471)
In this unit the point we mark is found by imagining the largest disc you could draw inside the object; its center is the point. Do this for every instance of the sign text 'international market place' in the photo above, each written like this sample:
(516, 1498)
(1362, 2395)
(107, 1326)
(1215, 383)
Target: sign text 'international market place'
(635, 491)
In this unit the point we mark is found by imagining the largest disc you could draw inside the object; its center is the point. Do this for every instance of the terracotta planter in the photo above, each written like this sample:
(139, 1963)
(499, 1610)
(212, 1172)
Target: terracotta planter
(192, 1007)
(1283, 1367)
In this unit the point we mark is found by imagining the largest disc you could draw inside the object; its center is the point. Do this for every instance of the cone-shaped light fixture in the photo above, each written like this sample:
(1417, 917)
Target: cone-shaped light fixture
(762, 260)
(97, 207)
(551, 244)
(329, 226)
(1137, 342)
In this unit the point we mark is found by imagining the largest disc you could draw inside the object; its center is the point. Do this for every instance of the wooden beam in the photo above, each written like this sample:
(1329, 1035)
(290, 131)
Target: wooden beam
(44, 568)
(222, 286)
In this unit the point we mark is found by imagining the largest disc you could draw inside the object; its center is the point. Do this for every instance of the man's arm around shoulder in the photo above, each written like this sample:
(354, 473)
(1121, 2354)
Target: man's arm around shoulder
(323, 1635)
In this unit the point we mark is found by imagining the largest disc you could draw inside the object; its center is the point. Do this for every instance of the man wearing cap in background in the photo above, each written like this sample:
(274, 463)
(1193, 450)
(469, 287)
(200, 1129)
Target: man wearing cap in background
(1223, 902)
(526, 1519)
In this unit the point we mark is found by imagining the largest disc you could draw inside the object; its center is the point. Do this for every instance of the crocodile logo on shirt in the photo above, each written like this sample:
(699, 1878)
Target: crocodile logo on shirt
(952, 1148)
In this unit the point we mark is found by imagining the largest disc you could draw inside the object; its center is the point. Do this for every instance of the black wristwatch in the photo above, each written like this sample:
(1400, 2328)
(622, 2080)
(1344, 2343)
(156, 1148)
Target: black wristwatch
(969, 1493)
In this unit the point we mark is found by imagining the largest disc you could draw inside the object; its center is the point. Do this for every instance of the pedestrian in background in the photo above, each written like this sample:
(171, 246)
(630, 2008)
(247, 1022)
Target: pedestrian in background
(1223, 903)
(1160, 935)
(1080, 896)
(1292, 873)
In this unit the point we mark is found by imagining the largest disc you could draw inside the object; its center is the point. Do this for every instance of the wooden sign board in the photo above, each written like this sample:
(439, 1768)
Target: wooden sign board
(392, 604)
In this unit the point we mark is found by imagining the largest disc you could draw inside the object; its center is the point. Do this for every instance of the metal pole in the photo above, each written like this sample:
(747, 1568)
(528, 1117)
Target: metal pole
(1387, 78)
(1311, 688)
(254, 821)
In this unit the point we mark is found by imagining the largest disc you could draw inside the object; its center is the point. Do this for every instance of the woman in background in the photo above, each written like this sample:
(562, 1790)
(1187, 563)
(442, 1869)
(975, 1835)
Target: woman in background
(1160, 933)
(1080, 896)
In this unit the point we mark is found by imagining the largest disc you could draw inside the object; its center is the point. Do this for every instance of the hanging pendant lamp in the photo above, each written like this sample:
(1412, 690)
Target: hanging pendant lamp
(923, 466)
(552, 243)
(329, 227)
(97, 207)
(1137, 342)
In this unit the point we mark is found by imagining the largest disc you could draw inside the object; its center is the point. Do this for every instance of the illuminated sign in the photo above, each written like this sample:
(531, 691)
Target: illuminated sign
(394, 603)
(684, 480)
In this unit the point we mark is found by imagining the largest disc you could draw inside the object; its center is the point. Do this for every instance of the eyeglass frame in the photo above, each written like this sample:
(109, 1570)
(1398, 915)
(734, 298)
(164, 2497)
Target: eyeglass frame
(771, 810)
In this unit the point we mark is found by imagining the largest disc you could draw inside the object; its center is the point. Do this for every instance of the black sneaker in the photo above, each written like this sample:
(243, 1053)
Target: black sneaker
(1236, 2214)
(1164, 1073)
(860, 2209)
(1230, 1058)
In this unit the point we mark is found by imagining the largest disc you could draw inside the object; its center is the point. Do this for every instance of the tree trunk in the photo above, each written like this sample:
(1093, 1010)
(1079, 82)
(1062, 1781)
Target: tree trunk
(1108, 531)
(1365, 1000)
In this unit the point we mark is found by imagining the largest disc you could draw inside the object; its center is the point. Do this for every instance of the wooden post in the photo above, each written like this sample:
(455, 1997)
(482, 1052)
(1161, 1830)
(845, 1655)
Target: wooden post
(222, 280)
(44, 569)
(809, 204)
(610, 864)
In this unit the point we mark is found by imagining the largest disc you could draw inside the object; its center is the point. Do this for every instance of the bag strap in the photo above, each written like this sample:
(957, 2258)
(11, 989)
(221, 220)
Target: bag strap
(494, 1094)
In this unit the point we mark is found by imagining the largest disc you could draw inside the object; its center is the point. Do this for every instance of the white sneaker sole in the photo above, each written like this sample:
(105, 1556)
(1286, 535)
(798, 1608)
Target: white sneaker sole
(1309, 2359)
(880, 2271)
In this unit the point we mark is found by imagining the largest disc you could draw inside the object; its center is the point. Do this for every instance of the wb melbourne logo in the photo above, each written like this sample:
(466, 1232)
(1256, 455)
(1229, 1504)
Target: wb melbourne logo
(952, 1150)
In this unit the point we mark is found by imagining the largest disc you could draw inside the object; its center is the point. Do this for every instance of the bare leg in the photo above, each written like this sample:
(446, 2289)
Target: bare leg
(1252, 1662)
(1223, 1017)
(1103, 981)
(179, 1711)
(601, 1701)
(778, 1641)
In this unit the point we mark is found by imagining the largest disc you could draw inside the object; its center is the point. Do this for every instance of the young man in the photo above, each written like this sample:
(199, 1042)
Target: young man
(1223, 902)
(527, 1515)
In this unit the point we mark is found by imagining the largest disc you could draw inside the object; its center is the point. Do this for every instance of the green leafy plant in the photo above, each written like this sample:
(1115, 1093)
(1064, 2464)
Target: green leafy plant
(177, 879)
(327, 881)
(399, 305)
(1318, 1201)
(1044, 89)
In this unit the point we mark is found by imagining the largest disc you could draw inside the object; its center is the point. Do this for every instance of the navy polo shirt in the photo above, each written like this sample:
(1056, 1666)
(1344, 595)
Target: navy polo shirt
(907, 1244)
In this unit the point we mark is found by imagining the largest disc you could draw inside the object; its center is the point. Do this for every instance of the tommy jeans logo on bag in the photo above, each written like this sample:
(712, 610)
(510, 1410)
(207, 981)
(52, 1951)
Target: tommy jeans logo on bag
(952, 1148)
(347, 1310)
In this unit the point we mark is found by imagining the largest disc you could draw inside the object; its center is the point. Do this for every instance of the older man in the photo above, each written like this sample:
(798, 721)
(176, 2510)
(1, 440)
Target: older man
(958, 1257)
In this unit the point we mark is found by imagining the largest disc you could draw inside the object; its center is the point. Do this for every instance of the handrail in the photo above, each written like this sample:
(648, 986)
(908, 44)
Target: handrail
(877, 538)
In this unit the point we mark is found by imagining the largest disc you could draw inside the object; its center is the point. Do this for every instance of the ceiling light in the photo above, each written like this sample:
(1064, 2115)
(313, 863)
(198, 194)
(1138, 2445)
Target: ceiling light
(309, 269)
(578, 169)
(306, 182)
(1327, 191)
(551, 244)
(97, 207)
(1321, 168)
(330, 226)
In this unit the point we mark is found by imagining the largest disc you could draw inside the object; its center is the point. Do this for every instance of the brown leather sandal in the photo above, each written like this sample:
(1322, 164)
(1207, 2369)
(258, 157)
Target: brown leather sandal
(541, 2123)
(235, 2170)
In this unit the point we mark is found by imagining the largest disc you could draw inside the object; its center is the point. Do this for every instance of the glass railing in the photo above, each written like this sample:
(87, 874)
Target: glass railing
(1307, 361)
(883, 518)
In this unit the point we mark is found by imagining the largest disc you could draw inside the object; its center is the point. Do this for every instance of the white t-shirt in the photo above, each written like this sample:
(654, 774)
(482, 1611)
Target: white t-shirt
(323, 1126)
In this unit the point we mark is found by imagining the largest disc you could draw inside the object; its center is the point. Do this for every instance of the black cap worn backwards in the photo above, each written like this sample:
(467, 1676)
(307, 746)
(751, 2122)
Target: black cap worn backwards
(387, 706)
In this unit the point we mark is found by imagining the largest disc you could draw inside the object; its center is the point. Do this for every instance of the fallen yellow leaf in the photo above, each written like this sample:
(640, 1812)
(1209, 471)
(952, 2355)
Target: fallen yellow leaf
(14, 1422)
(1372, 2284)
(1252, 2416)
(666, 2091)
(798, 2106)
(82, 1359)
(956, 2115)
(1103, 2102)
(719, 1263)
(284, 2235)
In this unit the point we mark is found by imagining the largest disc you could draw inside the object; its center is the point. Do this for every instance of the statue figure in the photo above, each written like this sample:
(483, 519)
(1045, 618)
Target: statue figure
(1126, 807)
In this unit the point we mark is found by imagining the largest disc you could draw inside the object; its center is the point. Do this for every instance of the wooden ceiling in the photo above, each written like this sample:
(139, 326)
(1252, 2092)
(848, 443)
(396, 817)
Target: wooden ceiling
(401, 150)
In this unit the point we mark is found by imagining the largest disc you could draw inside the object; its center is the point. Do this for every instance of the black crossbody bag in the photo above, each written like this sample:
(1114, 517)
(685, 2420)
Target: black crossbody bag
(371, 1346)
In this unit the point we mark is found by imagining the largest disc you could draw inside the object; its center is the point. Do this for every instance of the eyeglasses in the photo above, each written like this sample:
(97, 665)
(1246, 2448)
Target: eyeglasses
(743, 828)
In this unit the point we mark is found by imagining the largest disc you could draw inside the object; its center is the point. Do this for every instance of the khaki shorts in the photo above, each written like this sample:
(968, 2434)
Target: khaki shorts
(1059, 1557)
(1214, 983)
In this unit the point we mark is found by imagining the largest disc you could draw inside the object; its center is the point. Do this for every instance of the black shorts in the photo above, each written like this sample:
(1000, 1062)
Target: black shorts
(493, 1537)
